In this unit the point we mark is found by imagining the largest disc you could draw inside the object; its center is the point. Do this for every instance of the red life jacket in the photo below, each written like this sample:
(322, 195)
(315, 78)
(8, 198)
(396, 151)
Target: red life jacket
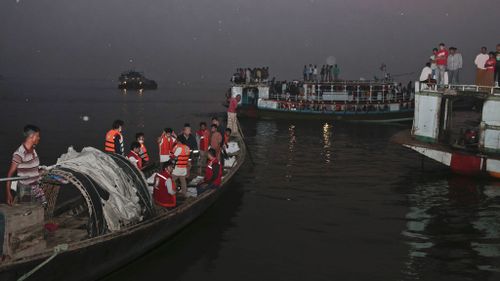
(134, 155)
(109, 145)
(183, 157)
(490, 65)
(167, 145)
(160, 191)
(144, 153)
(204, 139)
(209, 172)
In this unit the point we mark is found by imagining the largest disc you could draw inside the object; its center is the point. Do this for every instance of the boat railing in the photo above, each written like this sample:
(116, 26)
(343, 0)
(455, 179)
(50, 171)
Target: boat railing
(433, 87)
(380, 96)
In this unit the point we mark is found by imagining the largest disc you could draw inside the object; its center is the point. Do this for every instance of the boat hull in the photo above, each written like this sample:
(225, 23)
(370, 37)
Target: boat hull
(395, 116)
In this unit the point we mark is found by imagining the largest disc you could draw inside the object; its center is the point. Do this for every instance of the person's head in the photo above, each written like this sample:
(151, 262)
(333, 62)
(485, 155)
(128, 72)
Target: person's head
(167, 166)
(168, 131)
(31, 134)
(135, 147)
(435, 50)
(139, 137)
(441, 46)
(428, 64)
(227, 131)
(215, 121)
(203, 125)
(484, 50)
(187, 129)
(453, 50)
(211, 154)
(238, 98)
(118, 125)
(213, 128)
(491, 54)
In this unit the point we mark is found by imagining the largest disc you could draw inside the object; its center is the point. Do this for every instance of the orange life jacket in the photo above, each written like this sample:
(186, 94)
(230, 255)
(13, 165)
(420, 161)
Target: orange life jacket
(144, 153)
(183, 157)
(109, 145)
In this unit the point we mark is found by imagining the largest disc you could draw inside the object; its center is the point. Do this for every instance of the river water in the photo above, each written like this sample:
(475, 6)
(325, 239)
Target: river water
(315, 201)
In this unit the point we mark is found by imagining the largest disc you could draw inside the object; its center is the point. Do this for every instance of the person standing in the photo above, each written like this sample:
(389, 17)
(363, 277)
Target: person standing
(336, 72)
(203, 136)
(166, 143)
(26, 163)
(114, 138)
(441, 63)
(454, 66)
(164, 186)
(213, 172)
(315, 73)
(490, 64)
(133, 155)
(181, 170)
(216, 140)
(497, 67)
(188, 137)
(432, 60)
(304, 73)
(231, 113)
(480, 60)
(143, 153)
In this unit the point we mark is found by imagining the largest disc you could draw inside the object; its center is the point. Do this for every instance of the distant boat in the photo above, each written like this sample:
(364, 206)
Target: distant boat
(135, 80)
(458, 126)
(356, 100)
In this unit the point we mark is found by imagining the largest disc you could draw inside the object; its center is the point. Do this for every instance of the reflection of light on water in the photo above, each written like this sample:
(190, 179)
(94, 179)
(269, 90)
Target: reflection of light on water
(291, 151)
(327, 134)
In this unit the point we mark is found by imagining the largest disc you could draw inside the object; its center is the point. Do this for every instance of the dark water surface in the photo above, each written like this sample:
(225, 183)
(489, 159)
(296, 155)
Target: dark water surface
(321, 201)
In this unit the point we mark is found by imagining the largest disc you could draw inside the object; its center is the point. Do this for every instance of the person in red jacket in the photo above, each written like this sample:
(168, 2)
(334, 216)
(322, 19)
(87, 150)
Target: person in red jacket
(164, 187)
(143, 153)
(213, 172)
(490, 65)
(166, 143)
(203, 136)
(441, 63)
(133, 155)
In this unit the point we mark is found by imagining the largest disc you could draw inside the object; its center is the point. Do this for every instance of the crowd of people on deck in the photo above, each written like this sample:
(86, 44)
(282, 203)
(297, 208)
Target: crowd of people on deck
(178, 153)
(327, 73)
(251, 75)
(445, 64)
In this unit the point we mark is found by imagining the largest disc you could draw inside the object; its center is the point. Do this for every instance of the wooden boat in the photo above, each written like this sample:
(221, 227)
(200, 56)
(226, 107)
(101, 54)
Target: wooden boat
(458, 126)
(341, 100)
(91, 252)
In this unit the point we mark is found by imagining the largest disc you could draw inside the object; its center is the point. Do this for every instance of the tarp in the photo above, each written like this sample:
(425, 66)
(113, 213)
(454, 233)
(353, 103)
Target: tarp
(123, 205)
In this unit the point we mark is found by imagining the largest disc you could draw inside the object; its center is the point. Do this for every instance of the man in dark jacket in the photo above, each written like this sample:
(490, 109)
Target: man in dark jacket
(188, 137)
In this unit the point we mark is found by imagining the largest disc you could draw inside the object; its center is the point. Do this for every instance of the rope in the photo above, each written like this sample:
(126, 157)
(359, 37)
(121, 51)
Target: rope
(57, 250)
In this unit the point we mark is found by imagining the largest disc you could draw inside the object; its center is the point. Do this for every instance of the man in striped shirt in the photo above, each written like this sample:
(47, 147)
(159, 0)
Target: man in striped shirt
(25, 161)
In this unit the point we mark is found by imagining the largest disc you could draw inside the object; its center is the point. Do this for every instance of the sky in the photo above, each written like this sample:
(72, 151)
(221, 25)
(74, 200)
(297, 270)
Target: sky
(206, 40)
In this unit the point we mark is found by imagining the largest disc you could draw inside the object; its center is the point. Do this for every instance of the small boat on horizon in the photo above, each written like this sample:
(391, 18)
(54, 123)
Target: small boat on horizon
(356, 100)
(458, 126)
(135, 80)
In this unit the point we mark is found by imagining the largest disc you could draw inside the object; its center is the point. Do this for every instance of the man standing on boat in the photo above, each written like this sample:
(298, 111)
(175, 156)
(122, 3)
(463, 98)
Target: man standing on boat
(213, 172)
(181, 170)
(231, 113)
(114, 138)
(497, 68)
(164, 187)
(27, 164)
(454, 66)
(203, 136)
(166, 143)
(480, 60)
(143, 153)
(336, 72)
(441, 63)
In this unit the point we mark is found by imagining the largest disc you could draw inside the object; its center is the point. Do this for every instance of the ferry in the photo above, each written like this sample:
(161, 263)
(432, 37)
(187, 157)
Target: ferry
(458, 126)
(135, 80)
(357, 100)
(105, 226)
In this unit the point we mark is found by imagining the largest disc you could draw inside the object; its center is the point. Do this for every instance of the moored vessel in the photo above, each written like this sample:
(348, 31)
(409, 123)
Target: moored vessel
(458, 126)
(135, 80)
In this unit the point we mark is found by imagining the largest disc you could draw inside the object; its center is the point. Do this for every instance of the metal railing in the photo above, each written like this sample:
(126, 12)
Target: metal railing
(433, 87)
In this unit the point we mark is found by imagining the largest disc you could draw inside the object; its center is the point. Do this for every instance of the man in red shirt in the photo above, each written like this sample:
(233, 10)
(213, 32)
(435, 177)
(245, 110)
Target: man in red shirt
(441, 62)
(213, 173)
(203, 136)
(231, 113)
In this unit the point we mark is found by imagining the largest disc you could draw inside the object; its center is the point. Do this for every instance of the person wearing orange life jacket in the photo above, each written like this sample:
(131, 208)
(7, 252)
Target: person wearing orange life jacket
(213, 172)
(133, 155)
(114, 138)
(166, 143)
(181, 171)
(164, 186)
(143, 153)
(203, 136)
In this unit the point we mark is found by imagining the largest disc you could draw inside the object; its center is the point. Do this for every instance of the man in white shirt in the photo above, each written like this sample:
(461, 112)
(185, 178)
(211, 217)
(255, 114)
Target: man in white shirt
(480, 60)
(454, 65)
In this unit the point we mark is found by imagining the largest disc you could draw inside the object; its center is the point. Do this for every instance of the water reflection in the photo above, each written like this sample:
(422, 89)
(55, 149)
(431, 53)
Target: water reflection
(327, 142)
(291, 152)
(453, 228)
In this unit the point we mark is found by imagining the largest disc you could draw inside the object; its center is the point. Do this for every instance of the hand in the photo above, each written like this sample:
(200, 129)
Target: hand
(10, 199)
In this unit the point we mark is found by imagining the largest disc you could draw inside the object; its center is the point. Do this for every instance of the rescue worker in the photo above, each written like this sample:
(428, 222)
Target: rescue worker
(181, 171)
(213, 172)
(26, 163)
(143, 153)
(133, 155)
(203, 136)
(114, 138)
(166, 143)
(164, 189)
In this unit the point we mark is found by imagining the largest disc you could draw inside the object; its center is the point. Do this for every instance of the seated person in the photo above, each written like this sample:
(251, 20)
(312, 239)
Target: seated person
(426, 75)
(213, 172)
(133, 155)
(164, 187)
